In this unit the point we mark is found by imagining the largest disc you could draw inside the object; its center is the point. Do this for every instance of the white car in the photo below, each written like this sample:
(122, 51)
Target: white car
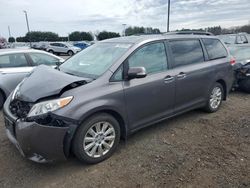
(15, 64)
(62, 48)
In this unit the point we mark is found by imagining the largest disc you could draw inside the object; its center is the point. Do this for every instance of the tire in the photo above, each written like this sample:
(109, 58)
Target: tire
(244, 85)
(51, 51)
(87, 147)
(1, 100)
(70, 53)
(214, 100)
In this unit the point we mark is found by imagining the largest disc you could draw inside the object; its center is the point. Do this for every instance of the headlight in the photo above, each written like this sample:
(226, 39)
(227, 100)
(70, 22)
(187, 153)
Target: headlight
(49, 106)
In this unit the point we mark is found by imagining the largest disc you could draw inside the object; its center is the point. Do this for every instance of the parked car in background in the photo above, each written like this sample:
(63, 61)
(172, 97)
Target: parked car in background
(240, 38)
(241, 53)
(62, 48)
(20, 45)
(15, 64)
(81, 45)
(112, 89)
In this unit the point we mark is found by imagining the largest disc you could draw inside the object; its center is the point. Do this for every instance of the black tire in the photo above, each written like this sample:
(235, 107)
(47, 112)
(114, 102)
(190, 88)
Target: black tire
(1, 100)
(83, 132)
(245, 85)
(70, 53)
(51, 51)
(209, 106)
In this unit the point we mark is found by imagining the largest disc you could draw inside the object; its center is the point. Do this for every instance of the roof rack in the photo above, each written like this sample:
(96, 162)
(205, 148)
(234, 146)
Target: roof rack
(189, 33)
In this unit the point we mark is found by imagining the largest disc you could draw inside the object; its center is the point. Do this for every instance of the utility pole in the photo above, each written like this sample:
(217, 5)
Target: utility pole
(124, 29)
(27, 22)
(9, 31)
(168, 15)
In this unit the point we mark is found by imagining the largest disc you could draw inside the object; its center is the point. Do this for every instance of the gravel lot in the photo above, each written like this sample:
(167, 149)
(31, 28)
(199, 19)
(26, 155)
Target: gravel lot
(193, 150)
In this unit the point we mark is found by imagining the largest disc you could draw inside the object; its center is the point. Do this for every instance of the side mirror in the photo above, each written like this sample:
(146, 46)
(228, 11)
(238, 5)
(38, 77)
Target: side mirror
(136, 72)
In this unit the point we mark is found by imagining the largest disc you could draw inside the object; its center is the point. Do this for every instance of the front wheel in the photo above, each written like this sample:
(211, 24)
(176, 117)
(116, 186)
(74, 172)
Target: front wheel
(215, 98)
(97, 138)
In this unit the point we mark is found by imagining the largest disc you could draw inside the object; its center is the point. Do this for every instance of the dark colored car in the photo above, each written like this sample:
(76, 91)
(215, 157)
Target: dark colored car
(241, 53)
(112, 89)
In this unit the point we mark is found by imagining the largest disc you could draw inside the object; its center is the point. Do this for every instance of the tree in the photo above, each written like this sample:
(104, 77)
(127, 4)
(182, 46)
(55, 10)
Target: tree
(79, 36)
(215, 30)
(63, 39)
(107, 35)
(141, 30)
(11, 39)
(37, 36)
(21, 39)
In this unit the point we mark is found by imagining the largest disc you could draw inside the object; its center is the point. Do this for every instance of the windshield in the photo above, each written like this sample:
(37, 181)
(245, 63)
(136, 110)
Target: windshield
(228, 39)
(95, 60)
(240, 53)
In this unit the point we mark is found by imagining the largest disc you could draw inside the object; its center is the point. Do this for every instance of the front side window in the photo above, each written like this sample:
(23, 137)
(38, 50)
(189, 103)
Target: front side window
(152, 57)
(13, 60)
(186, 52)
(42, 59)
(214, 48)
(95, 60)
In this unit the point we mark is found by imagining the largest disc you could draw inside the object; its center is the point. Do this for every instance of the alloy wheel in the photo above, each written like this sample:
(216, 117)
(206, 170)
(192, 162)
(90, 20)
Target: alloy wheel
(215, 97)
(99, 139)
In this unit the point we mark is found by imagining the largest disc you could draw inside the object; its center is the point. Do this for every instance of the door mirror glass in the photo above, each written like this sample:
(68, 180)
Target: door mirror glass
(137, 72)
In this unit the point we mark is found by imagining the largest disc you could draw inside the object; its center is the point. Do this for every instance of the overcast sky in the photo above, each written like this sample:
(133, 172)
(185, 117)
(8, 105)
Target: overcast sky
(64, 16)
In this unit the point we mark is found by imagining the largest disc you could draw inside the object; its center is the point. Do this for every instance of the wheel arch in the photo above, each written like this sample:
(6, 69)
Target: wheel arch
(115, 114)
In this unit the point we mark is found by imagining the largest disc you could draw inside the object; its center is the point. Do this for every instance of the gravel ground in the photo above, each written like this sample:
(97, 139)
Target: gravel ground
(193, 150)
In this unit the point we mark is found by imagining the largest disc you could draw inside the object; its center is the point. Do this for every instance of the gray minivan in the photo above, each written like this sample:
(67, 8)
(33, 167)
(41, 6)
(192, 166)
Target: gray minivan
(112, 89)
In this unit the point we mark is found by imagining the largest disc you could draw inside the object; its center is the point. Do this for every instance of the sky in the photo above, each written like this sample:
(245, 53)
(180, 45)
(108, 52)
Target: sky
(64, 17)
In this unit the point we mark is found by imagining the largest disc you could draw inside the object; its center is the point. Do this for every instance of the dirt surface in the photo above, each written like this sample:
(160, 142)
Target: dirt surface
(193, 150)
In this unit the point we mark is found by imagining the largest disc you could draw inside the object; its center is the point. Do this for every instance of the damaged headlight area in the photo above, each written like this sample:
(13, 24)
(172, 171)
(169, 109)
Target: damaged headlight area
(48, 106)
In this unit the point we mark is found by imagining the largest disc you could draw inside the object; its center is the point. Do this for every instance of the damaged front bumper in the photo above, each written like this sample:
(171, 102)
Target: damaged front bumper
(39, 142)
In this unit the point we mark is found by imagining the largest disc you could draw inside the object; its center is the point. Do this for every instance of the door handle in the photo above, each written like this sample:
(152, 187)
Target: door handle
(181, 75)
(168, 78)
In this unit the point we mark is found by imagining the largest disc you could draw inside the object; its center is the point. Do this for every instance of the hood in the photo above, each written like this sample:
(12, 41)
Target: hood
(45, 81)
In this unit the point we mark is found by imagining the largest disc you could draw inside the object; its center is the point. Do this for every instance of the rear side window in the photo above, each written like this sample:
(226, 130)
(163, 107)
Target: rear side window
(186, 52)
(13, 60)
(214, 48)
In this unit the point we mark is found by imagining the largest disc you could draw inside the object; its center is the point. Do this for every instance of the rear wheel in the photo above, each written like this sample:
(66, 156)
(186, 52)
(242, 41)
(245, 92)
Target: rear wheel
(97, 138)
(245, 85)
(1, 100)
(51, 51)
(215, 98)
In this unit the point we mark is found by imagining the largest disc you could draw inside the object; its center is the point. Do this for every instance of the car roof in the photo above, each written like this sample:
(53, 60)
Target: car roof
(140, 38)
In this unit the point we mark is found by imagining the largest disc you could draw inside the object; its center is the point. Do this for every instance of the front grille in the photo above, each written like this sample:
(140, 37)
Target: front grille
(20, 108)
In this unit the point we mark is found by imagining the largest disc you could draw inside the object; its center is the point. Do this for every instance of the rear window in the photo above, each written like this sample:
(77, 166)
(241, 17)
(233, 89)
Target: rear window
(186, 52)
(215, 48)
